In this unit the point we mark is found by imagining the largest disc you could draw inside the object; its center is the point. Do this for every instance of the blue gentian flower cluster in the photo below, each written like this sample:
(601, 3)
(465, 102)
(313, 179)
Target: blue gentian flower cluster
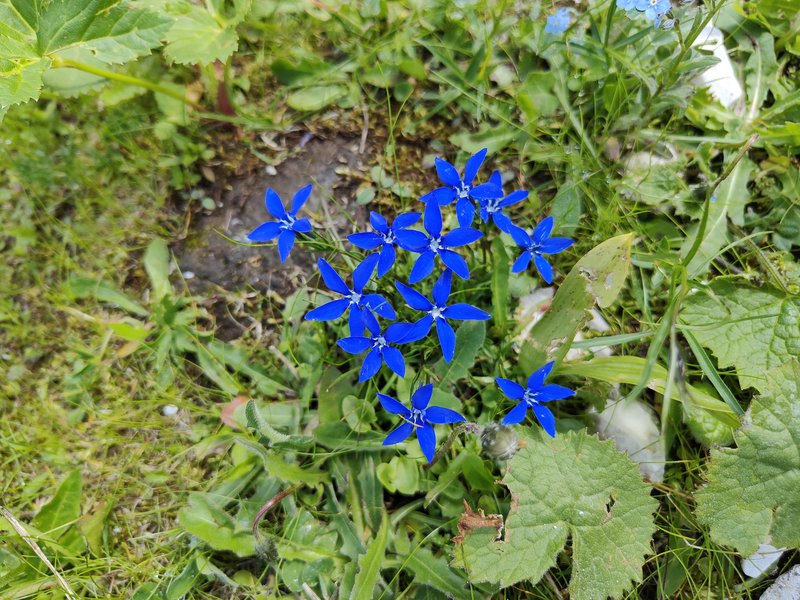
(654, 10)
(364, 307)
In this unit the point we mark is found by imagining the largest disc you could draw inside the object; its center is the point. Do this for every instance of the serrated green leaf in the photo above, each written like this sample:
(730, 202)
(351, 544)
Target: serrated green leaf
(63, 509)
(751, 495)
(754, 329)
(369, 565)
(469, 339)
(196, 37)
(21, 79)
(572, 486)
(315, 98)
(206, 521)
(597, 277)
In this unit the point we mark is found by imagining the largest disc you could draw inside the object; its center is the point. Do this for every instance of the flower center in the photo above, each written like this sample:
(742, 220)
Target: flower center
(530, 397)
(287, 222)
(379, 342)
(355, 298)
(462, 190)
(492, 206)
(389, 237)
(436, 244)
(436, 312)
(417, 416)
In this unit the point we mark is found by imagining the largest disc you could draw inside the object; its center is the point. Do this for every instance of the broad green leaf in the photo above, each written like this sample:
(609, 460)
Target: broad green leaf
(183, 583)
(358, 413)
(339, 437)
(401, 474)
(596, 278)
(277, 467)
(156, 263)
(469, 339)
(500, 273)
(751, 496)
(753, 329)
(315, 98)
(761, 72)
(70, 82)
(93, 524)
(571, 487)
(206, 521)
(81, 287)
(63, 509)
(369, 565)
(21, 79)
(196, 37)
(434, 572)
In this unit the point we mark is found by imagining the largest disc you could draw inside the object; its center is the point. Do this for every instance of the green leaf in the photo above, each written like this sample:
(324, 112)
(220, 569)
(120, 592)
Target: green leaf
(215, 371)
(434, 572)
(469, 339)
(156, 263)
(206, 521)
(629, 370)
(21, 79)
(196, 37)
(81, 287)
(751, 494)
(573, 486)
(315, 98)
(369, 565)
(597, 277)
(237, 359)
(401, 474)
(63, 509)
(754, 329)
(500, 272)
(358, 413)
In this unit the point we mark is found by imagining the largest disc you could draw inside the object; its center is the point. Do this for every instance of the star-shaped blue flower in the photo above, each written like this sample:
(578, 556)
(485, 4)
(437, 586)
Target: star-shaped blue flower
(533, 397)
(492, 210)
(461, 189)
(558, 22)
(626, 4)
(386, 237)
(654, 9)
(439, 312)
(287, 224)
(355, 299)
(536, 244)
(435, 244)
(420, 418)
(377, 343)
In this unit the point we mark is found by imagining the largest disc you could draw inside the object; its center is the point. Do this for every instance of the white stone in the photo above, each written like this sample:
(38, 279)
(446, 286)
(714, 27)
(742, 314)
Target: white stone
(762, 560)
(169, 410)
(720, 79)
(786, 587)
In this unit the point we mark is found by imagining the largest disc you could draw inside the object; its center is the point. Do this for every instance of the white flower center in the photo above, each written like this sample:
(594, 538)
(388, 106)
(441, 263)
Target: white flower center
(530, 397)
(417, 416)
(287, 222)
(436, 312)
(379, 342)
(462, 190)
(389, 237)
(355, 298)
(436, 244)
(492, 206)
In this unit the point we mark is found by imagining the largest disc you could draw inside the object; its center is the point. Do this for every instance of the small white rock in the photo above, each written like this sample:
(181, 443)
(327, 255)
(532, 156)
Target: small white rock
(786, 587)
(170, 410)
(188, 274)
(762, 560)
(270, 170)
(720, 79)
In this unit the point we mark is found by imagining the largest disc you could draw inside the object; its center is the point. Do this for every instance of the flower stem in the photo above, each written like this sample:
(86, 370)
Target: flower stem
(445, 447)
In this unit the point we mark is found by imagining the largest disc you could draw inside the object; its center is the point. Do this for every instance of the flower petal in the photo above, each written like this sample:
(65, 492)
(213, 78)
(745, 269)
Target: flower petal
(455, 262)
(328, 311)
(427, 441)
(522, 262)
(405, 333)
(461, 237)
(422, 268)
(521, 237)
(394, 360)
(371, 322)
(486, 191)
(274, 204)
(514, 198)
(380, 305)
(510, 388)
(300, 198)
(366, 240)
(386, 260)
(503, 223)
(543, 230)
(285, 243)
(413, 298)
(465, 212)
(432, 219)
(440, 196)
(544, 268)
(421, 396)
(441, 289)
(354, 345)
(496, 179)
(447, 173)
(363, 272)
(473, 164)
(301, 226)
(393, 406)
(465, 312)
(556, 245)
(332, 279)
(378, 222)
(447, 339)
(545, 418)
(372, 364)
(442, 416)
(265, 232)
(412, 240)
(516, 414)
(405, 220)
(552, 392)
(356, 321)
(536, 380)
(398, 435)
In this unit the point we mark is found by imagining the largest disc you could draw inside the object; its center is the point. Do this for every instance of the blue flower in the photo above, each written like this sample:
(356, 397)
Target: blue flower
(287, 224)
(558, 22)
(533, 397)
(385, 238)
(626, 4)
(354, 299)
(439, 312)
(654, 9)
(435, 244)
(420, 417)
(492, 210)
(537, 244)
(461, 189)
(378, 345)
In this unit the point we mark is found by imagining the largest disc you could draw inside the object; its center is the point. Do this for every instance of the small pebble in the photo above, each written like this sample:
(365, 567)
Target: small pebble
(170, 410)
(270, 170)
(188, 274)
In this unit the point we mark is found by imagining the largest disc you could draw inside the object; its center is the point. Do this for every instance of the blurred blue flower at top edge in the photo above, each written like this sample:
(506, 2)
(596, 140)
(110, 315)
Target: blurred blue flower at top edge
(435, 244)
(420, 418)
(559, 21)
(461, 189)
(654, 9)
(492, 210)
(533, 397)
(386, 237)
(536, 244)
(627, 4)
(287, 223)
(354, 299)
